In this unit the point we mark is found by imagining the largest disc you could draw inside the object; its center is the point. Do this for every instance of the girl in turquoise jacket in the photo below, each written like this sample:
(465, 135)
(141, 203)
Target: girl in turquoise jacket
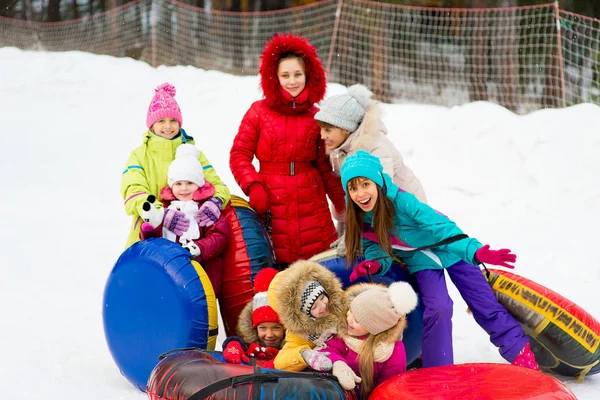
(381, 217)
(146, 169)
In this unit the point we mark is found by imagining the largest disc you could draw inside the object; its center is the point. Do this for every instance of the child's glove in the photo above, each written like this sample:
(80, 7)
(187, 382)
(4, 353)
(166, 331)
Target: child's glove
(192, 248)
(209, 212)
(262, 353)
(176, 222)
(345, 376)
(362, 268)
(495, 257)
(316, 360)
(339, 216)
(234, 353)
(152, 216)
(258, 198)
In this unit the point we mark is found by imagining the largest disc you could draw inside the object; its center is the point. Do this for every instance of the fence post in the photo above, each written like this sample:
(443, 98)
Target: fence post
(338, 13)
(560, 54)
(153, 22)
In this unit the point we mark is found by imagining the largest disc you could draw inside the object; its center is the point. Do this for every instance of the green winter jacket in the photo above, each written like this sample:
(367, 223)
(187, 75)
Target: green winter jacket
(146, 173)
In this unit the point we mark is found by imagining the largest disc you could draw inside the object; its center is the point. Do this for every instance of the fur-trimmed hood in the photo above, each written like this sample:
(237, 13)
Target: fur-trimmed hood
(390, 336)
(316, 81)
(245, 329)
(365, 137)
(244, 326)
(285, 294)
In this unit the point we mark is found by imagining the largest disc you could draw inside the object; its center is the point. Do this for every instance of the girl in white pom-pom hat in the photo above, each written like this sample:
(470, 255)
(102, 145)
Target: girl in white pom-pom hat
(146, 169)
(186, 193)
(370, 349)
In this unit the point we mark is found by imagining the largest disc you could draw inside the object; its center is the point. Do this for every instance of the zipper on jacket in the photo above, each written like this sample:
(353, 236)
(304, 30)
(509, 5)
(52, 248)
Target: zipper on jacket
(294, 104)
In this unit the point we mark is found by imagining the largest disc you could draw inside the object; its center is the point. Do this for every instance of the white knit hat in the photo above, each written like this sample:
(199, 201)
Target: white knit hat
(186, 166)
(346, 111)
(379, 309)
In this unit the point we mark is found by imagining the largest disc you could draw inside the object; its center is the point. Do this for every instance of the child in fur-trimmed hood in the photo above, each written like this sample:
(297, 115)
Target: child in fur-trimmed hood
(261, 333)
(311, 305)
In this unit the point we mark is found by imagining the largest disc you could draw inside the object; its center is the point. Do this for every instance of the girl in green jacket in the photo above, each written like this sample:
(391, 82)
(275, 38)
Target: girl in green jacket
(147, 166)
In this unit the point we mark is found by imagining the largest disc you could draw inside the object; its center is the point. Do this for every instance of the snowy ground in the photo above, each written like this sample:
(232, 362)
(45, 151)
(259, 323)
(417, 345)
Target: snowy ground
(71, 119)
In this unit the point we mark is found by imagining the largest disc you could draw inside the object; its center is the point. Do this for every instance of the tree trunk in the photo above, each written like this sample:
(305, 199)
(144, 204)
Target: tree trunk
(53, 10)
(75, 9)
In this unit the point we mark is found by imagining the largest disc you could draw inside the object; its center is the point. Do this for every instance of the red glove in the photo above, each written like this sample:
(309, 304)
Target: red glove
(233, 353)
(258, 198)
(495, 257)
(262, 353)
(362, 268)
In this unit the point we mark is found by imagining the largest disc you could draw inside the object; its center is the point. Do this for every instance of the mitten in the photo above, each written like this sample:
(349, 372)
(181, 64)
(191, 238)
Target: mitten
(175, 221)
(495, 257)
(192, 248)
(316, 360)
(262, 353)
(233, 353)
(340, 243)
(151, 215)
(345, 376)
(209, 212)
(258, 198)
(361, 269)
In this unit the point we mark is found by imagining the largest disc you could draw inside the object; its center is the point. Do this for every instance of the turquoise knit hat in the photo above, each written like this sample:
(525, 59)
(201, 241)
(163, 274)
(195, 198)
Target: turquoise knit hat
(362, 163)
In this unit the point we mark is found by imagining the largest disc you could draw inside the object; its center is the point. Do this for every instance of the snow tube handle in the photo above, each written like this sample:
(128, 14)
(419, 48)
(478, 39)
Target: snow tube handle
(256, 377)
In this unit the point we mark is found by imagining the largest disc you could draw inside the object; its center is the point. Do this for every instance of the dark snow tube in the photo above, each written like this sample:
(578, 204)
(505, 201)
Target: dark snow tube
(412, 334)
(155, 300)
(473, 382)
(192, 374)
(248, 252)
(564, 338)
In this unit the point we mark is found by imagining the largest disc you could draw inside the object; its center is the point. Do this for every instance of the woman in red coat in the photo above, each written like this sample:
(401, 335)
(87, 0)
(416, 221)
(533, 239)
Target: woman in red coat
(295, 175)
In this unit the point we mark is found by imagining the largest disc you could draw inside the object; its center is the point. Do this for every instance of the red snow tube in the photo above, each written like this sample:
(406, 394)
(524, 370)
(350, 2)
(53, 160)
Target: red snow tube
(248, 252)
(195, 375)
(564, 338)
(473, 382)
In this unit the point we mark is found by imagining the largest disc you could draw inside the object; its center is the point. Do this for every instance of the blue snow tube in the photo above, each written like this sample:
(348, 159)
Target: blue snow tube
(156, 299)
(412, 334)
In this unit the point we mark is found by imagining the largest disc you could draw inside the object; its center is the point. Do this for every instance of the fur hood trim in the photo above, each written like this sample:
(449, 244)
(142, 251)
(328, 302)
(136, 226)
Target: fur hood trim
(244, 327)
(365, 136)
(285, 294)
(202, 194)
(316, 81)
(393, 334)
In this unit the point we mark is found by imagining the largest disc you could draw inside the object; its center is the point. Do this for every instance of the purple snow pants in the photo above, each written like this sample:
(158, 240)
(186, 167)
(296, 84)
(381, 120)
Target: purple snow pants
(505, 331)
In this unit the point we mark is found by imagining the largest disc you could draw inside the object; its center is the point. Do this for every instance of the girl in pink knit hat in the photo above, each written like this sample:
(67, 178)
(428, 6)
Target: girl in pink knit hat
(146, 170)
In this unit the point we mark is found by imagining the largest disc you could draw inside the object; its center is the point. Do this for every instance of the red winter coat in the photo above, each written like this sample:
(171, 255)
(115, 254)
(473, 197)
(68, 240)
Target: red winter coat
(213, 239)
(281, 130)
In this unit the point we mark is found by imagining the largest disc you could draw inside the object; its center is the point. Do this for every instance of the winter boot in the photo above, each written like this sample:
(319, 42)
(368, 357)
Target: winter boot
(526, 359)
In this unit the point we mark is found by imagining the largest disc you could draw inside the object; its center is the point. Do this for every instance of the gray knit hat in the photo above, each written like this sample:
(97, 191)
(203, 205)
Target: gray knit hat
(346, 111)
(379, 309)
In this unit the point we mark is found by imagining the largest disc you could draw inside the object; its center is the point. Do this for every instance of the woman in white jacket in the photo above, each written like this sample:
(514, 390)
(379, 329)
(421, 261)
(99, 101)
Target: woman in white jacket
(351, 122)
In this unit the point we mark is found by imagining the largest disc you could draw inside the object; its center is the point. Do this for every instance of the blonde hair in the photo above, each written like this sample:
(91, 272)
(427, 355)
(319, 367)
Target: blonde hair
(366, 366)
(383, 222)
